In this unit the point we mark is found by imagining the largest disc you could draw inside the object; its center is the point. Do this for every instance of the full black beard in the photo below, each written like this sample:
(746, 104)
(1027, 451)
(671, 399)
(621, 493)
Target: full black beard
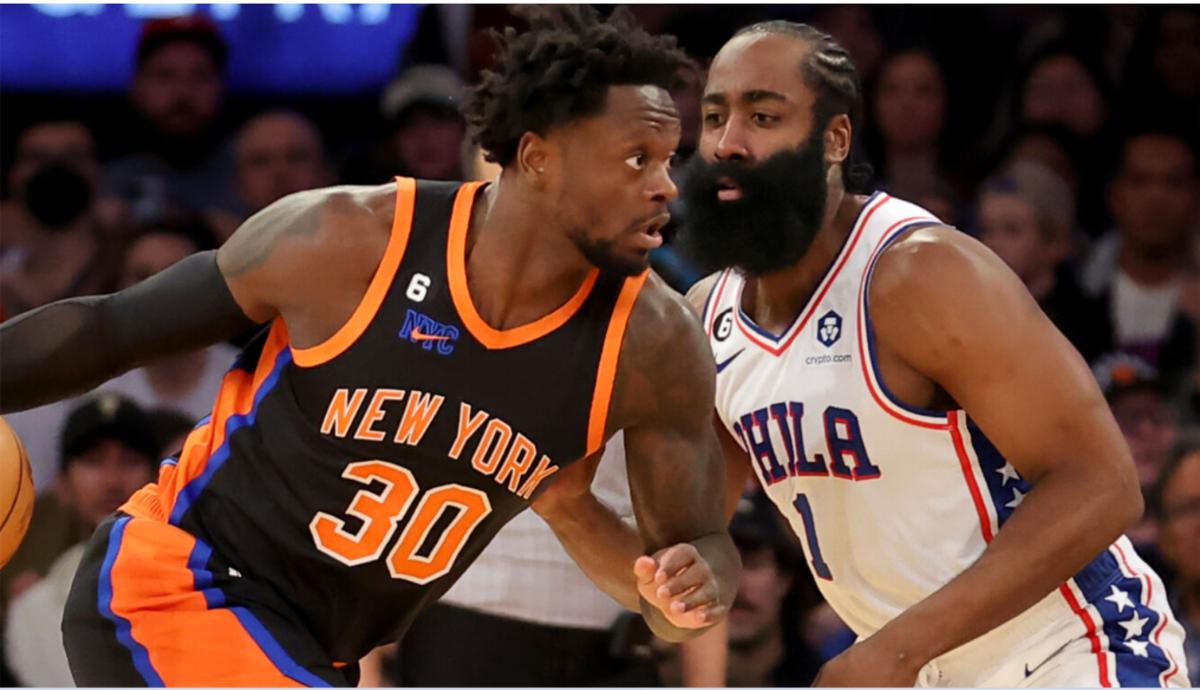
(774, 222)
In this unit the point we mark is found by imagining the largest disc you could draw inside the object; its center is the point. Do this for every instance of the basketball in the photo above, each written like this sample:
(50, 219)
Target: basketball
(16, 492)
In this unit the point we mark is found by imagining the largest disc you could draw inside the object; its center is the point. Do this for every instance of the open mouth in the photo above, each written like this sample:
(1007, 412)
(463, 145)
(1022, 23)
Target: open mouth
(728, 190)
(651, 231)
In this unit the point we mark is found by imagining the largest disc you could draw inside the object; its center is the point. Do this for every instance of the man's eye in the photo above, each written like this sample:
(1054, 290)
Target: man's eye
(636, 161)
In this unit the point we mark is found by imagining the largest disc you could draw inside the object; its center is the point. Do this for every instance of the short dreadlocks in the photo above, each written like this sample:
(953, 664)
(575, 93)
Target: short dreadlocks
(560, 70)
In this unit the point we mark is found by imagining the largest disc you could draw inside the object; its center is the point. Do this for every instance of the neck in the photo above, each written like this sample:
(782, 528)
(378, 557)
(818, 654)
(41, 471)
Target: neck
(518, 268)
(774, 300)
(752, 665)
(1150, 268)
(175, 377)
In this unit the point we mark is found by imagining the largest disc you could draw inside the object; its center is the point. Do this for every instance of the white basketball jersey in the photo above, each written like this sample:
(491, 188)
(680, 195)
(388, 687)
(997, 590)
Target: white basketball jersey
(890, 502)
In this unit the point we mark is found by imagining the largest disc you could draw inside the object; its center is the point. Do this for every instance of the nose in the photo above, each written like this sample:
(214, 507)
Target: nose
(661, 188)
(731, 142)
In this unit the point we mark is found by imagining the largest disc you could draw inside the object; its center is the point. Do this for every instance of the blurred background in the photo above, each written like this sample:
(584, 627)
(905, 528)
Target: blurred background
(1065, 138)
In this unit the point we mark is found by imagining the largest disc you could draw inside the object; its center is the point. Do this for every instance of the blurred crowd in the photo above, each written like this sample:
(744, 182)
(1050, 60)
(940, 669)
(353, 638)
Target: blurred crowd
(1065, 138)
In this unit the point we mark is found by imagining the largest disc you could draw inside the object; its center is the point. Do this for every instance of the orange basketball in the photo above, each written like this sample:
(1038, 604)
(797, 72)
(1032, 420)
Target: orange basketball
(16, 492)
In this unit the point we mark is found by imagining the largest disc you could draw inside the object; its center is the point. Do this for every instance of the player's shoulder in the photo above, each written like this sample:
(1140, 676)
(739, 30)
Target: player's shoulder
(929, 258)
(661, 312)
(348, 202)
(698, 294)
(665, 360)
(664, 334)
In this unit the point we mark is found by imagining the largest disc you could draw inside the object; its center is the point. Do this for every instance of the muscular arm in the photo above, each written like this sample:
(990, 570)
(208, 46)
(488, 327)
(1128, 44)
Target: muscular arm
(676, 470)
(663, 400)
(988, 345)
(737, 463)
(71, 346)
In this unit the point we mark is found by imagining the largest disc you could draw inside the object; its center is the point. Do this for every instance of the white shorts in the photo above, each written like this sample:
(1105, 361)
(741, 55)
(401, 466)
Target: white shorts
(1114, 630)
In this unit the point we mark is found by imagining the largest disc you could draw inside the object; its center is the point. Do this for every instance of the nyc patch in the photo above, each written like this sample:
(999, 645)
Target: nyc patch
(429, 334)
(829, 328)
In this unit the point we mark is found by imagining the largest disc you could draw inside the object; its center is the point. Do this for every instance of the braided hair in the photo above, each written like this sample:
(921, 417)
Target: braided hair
(830, 72)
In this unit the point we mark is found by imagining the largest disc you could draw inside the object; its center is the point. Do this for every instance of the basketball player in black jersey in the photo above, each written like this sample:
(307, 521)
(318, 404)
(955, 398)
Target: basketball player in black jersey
(436, 353)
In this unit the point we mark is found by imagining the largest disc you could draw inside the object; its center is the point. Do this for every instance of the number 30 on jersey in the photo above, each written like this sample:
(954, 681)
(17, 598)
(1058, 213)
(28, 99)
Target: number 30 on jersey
(381, 514)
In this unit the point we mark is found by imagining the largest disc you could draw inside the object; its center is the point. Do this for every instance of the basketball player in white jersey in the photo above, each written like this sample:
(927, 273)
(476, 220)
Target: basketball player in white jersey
(943, 453)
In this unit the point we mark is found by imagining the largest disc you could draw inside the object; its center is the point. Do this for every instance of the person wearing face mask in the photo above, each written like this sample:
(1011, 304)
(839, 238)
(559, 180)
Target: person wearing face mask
(53, 222)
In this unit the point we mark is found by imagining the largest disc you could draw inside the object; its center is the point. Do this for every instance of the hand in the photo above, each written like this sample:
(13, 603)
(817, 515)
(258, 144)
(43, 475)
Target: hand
(680, 583)
(869, 664)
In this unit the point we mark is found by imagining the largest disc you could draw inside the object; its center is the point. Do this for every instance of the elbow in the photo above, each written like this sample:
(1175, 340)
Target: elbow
(1122, 503)
(1135, 504)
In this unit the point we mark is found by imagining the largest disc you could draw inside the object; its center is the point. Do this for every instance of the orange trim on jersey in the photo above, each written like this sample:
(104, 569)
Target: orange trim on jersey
(610, 354)
(235, 397)
(154, 590)
(339, 342)
(460, 293)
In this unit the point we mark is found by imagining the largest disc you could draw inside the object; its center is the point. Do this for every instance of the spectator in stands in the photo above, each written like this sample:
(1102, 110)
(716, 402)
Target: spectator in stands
(1141, 405)
(177, 92)
(1164, 65)
(1026, 216)
(278, 152)
(54, 224)
(762, 652)
(908, 115)
(423, 134)
(108, 452)
(1176, 504)
(855, 28)
(1140, 267)
(1050, 145)
(1064, 84)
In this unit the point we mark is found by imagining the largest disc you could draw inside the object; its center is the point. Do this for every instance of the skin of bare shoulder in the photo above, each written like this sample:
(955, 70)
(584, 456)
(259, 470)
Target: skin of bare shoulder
(309, 257)
(666, 367)
(698, 294)
(955, 313)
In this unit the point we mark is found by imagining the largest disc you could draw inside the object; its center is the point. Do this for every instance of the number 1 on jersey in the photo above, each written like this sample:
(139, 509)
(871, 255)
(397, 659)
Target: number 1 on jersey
(810, 535)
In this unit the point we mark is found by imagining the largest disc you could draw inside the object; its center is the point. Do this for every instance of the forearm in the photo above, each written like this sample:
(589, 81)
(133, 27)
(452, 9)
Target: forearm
(703, 659)
(53, 352)
(1027, 560)
(606, 547)
(69, 347)
(603, 545)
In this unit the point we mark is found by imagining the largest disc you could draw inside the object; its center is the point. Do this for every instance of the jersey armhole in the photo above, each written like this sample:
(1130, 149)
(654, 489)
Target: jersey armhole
(872, 375)
(610, 354)
(365, 312)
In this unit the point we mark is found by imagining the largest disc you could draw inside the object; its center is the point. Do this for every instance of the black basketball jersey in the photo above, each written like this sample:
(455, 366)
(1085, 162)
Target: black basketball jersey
(349, 484)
